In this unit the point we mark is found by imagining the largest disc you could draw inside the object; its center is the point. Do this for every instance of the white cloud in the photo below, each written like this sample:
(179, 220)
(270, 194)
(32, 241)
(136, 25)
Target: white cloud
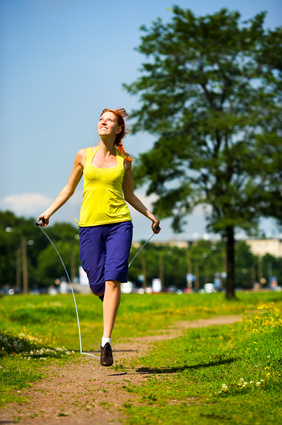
(25, 203)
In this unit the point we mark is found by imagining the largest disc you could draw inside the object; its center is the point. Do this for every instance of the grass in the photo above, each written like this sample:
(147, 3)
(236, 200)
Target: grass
(24, 359)
(206, 375)
(220, 375)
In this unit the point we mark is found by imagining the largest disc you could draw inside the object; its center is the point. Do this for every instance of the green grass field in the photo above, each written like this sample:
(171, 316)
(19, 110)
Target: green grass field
(221, 374)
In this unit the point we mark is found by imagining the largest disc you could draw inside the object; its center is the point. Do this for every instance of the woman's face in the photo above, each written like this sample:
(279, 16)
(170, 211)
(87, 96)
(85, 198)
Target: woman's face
(108, 124)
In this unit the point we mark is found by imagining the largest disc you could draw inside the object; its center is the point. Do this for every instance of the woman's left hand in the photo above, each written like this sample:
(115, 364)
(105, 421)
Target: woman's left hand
(156, 226)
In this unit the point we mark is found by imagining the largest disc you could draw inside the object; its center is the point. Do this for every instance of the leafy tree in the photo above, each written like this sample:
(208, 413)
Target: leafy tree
(165, 262)
(207, 259)
(21, 241)
(245, 261)
(210, 91)
(63, 231)
(49, 266)
(17, 233)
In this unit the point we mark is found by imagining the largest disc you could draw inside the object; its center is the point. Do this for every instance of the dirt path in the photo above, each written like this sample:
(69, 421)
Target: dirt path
(87, 393)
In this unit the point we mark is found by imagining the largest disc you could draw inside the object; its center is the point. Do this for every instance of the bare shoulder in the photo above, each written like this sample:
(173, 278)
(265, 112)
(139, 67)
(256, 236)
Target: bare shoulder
(81, 156)
(81, 152)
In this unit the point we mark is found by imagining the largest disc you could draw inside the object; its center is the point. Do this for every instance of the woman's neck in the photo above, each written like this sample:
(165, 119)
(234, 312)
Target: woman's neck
(107, 147)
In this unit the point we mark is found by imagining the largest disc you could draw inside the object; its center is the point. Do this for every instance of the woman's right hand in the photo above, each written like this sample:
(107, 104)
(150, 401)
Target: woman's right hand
(43, 220)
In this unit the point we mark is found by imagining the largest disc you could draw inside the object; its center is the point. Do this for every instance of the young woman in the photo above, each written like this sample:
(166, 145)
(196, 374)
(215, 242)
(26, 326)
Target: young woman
(105, 224)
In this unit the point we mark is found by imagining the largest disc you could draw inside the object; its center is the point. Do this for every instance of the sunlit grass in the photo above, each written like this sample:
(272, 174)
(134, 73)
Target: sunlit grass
(227, 374)
(40, 330)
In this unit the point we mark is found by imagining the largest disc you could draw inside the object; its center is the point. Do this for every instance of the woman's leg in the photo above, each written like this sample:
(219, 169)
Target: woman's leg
(118, 245)
(110, 306)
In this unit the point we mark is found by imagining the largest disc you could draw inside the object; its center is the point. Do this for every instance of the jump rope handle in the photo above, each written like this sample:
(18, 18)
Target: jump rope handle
(42, 221)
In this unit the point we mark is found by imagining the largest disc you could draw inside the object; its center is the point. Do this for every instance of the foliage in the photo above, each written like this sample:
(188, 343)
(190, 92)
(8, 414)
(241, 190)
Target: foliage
(207, 258)
(210, 91)
(43, 264)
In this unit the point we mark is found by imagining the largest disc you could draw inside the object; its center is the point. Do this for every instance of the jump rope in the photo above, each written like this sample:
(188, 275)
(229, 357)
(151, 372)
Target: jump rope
(74, 300)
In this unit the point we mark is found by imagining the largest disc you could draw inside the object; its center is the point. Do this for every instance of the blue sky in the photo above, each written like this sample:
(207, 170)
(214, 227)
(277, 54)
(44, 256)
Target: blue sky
(62, 62)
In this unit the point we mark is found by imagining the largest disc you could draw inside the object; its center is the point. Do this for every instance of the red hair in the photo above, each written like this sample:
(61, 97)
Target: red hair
(120, 115)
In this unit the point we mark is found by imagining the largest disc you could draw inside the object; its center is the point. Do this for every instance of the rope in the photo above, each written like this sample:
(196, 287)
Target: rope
(77, 317)
(140, 250)
(76, 309)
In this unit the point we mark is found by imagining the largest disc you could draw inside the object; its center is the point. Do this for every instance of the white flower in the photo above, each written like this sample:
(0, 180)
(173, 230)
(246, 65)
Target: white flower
(258, 384)
(251, 382)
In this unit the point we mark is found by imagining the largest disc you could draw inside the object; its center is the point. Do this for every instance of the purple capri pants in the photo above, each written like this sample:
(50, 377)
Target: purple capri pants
(104, 252)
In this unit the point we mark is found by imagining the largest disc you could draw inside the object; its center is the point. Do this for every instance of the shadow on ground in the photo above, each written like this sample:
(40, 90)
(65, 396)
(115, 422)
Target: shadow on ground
(149, 370)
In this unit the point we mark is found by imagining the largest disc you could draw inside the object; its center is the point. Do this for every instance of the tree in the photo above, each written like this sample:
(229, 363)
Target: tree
(165, 262)
(19, 244)
(27, 258)
(245, 261)
(211, 93)
(49, 266)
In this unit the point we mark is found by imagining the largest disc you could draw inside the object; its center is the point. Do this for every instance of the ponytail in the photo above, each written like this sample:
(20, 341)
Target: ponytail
(120, 147)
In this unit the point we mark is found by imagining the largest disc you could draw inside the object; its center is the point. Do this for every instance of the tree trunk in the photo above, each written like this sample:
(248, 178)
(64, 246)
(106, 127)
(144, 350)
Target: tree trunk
(19, 269)
(24, 260)
(230, 257)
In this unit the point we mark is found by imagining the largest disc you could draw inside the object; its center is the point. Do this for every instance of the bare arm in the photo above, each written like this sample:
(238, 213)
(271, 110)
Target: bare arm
(134, 201)
(67, 191)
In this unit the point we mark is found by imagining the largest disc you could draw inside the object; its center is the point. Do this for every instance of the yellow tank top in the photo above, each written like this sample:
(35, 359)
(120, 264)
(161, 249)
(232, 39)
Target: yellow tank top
(103, 201)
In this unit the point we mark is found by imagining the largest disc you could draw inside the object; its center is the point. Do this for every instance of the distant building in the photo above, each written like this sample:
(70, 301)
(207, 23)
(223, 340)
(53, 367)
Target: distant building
(172, 243)
(261, 247)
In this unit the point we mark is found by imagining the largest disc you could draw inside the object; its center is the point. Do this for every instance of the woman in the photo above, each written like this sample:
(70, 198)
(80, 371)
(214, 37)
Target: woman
(105, 222)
